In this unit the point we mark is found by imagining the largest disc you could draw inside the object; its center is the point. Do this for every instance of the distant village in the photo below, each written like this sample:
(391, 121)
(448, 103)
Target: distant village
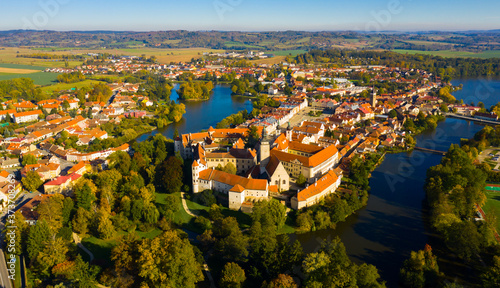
(352, 120)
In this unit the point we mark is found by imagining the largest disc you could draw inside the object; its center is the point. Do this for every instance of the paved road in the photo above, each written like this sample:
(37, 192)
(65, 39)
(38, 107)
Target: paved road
(4, 275)
(205, 266)
(78, 242)
(303, 115)
(21, 200)
(184, 204)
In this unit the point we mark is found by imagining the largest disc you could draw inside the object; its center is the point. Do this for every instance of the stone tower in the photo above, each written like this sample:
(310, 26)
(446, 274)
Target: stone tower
(373, 98)
(264, 152)
(289, 132)
(264, 148)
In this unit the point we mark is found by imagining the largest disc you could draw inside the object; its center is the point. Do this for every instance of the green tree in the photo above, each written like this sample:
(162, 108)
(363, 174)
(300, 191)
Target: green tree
(252, 138)
(120, 160)
(65, 105)
(230, 168)
(68, 205)
(150, 213)
(32, 181)
(29, 159)
(161, 151)
(233, 276)
(231, 244)
(393, 114)
(53, 252)
(282, 281)
(17, 220)
(105, 227)
(80, 221)
(37, 236)
(84, 197)
(50, 210)
(420, 270)
(171, 174)
(444, 108)
(269, 213)
(168, 261)
(331, 267)
(491, 277)
(84, 275)
(301, 180)
(109, 178)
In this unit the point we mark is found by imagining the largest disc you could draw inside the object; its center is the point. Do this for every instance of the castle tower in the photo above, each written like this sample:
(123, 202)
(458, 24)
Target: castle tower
(264, 152)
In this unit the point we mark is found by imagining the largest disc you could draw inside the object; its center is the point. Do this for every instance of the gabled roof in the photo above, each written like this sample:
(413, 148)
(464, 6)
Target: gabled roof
(318, 187)
(233, 180)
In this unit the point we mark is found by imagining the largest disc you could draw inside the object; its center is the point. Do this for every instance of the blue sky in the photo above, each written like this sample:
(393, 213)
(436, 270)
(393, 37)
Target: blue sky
(246, 15)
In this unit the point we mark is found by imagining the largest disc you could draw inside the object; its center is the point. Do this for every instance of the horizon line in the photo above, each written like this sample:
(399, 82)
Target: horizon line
(260, 31)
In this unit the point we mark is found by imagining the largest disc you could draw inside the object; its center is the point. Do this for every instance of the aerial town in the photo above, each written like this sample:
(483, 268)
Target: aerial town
(309, 143)
(291, 143)
(240, 144)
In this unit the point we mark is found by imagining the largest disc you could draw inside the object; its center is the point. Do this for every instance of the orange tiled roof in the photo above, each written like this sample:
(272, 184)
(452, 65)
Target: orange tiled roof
(27, 113)
(319, 186)
(233, 180)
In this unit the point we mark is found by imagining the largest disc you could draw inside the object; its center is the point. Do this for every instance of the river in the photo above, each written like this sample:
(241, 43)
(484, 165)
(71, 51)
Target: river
(393, 222)
(203, 114)
(478, 90)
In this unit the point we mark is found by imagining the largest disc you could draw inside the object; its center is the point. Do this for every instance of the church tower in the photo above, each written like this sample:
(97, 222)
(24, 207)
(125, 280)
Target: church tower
(373, 98)
(264, 149)
(289, 132)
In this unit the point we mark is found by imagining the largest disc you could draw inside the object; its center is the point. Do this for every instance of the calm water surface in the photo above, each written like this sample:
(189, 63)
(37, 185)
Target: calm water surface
(201, 115)
(392, 224)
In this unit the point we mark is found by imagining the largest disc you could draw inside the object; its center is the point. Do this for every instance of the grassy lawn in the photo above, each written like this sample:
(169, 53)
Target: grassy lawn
(244, 219)
(100, 248)
(288, 228)
(181, 218)
(493, 205)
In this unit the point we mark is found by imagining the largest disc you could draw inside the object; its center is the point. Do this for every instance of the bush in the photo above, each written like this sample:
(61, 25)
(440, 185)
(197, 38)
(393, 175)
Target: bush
(203, 223)
(205, 198)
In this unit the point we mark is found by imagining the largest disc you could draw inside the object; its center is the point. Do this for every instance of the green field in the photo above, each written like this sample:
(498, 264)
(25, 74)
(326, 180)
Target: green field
(21, 66)
(288, 52)
(67, 86)
(240, 44)
(449, 53)
(39, 78)
(427, 43)
(304, 40)
(493, 205)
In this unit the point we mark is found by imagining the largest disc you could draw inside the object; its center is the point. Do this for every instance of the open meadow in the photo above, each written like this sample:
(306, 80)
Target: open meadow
(164, 56)
(456, 54)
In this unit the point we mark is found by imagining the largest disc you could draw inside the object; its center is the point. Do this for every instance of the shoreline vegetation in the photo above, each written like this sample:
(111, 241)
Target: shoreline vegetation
(195, 91)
